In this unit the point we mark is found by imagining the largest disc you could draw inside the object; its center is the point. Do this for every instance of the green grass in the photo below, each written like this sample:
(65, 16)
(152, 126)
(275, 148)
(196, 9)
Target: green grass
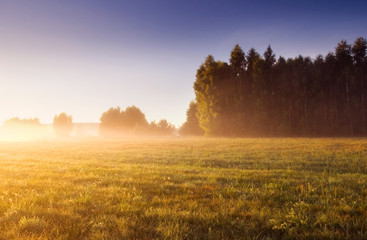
(184, 189)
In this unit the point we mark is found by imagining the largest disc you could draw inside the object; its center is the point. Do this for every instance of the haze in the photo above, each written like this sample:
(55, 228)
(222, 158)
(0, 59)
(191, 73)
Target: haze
(82, 57)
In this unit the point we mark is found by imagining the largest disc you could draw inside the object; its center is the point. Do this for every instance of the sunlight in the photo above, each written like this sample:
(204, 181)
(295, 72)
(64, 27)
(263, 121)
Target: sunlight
(24, 132)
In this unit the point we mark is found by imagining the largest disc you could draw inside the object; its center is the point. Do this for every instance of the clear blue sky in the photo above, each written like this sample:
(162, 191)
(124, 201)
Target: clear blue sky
(82, 57)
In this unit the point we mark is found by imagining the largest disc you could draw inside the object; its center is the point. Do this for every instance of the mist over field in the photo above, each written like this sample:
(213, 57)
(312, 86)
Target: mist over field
(183, 120)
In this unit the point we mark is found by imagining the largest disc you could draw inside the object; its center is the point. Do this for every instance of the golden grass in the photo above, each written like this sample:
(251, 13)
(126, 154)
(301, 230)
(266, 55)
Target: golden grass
(184, 189)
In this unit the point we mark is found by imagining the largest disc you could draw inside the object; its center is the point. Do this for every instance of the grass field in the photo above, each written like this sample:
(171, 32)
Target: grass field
(184, 189)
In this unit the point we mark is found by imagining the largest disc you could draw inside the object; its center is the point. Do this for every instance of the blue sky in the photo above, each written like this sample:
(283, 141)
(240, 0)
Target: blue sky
(82, 57)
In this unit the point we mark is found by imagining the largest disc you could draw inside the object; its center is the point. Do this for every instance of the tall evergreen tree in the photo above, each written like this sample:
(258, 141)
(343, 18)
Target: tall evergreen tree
(268, 65)
(359, 56)
(238, 67)
(345, 61)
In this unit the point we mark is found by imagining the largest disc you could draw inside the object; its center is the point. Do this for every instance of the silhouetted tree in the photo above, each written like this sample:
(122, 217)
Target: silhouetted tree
(260, 96)
(344, 61)
(111, 122)
(62, 125)
(131, 121)
(133, 117)
(269, 91)
(117, 122)
(359, 56)
(237, 62)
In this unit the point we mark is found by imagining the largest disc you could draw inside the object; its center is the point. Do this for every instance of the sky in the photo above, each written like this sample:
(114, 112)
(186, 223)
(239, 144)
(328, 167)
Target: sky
(84, 56)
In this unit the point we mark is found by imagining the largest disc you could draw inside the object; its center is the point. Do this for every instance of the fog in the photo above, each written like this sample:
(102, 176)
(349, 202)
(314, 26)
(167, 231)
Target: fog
(20, 131)
(44, 132)
(25, 132)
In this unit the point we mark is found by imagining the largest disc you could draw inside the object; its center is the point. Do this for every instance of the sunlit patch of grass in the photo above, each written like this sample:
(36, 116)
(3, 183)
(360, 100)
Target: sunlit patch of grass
(31, 226)
(184, 189)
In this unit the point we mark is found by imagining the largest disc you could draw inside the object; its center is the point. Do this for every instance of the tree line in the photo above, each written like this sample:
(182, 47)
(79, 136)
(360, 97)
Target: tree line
(261, 95)
(132, 121)
(257, 95)
(113, 123)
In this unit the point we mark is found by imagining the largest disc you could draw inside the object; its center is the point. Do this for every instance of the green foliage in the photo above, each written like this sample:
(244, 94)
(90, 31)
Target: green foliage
(359, 50)
(237, 61)
(181, 188)
(191, 126)
(261, 96)
(63, 124)
(213, 83)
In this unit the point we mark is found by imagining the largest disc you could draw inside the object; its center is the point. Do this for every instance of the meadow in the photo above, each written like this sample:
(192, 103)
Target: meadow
(184, 188)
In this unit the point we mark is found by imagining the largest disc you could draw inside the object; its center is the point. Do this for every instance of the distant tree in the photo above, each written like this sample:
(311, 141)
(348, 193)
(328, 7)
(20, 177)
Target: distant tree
(152, 128)
(63, 125)
(191, 126)
(162, 128)
(118, 122)
(23, 129)
(13, 122)
(133, 117)
(165, 128)
(111, 120)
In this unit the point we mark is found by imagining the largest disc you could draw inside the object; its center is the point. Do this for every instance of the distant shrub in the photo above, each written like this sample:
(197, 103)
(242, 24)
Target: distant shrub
(62, 125)
(132, 121)
(16, 122)
(162, 128)
(121, 122)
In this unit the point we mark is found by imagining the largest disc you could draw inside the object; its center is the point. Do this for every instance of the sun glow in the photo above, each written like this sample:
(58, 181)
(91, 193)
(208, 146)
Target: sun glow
(16, 129)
